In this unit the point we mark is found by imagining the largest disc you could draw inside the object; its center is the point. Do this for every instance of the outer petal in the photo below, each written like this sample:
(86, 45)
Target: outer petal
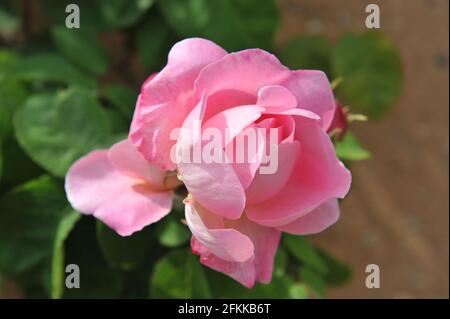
(317, 176)
(244, 273)
(94, 186)
(134, 209)
(265, 241)
(313, 92)
(246, 71)
(126, 158)
(258, 267)
(315, 221)
(227, 244)
(165, 100)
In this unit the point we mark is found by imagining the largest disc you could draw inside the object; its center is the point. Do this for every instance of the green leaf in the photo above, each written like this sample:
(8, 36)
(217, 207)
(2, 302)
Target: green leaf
(119, 126)
(17, 167)
(154, 39)
(338, 272)
(12, 95)
(370, 66)
(350, 149)
(314, 280)
(122, 13)
(1, 160)
(171, 233)
(122, 98)
(7, 59)
(49, 67)
(57, 129)
(222, 286)
(82, 48)
(278, 288)
(100, 15)
(124, 253)
(179, 275)
(298, 291)
(280, 263)
(304, 252)
(9, 22)
(97, 279)
(307, 52)
(30, 216)
(233, 24)
(58, 268)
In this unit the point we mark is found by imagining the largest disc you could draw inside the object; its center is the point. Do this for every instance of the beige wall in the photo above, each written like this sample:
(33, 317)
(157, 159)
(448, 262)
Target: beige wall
(397, 212)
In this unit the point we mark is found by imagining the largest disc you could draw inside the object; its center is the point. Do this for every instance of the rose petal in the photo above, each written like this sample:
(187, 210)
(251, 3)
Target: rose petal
(266, 186)
(216, 186)
(313, 92)
(317, 176)
(293, 112)
(208, 182)
(315, 221)
(265, 241)
(276, 97)
(227, 244)
(234, 120)
(244, 273)
(252, 156)
(258, 267)
(94, 186)
(246, 70)
(226, 99)
(163, 103)
(126, 158)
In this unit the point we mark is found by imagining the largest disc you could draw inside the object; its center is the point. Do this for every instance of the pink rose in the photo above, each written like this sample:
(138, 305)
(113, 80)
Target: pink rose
(235, 212)
(119, 187)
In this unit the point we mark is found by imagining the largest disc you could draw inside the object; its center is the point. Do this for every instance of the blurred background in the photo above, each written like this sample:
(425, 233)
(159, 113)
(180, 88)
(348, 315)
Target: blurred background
(396, 215)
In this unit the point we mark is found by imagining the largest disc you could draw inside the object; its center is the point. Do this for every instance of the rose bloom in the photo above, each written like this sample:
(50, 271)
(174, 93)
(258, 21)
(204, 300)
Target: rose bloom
(236, 215)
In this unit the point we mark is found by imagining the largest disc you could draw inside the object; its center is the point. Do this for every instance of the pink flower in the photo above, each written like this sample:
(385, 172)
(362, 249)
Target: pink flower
(235, 212)
(120, 188)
